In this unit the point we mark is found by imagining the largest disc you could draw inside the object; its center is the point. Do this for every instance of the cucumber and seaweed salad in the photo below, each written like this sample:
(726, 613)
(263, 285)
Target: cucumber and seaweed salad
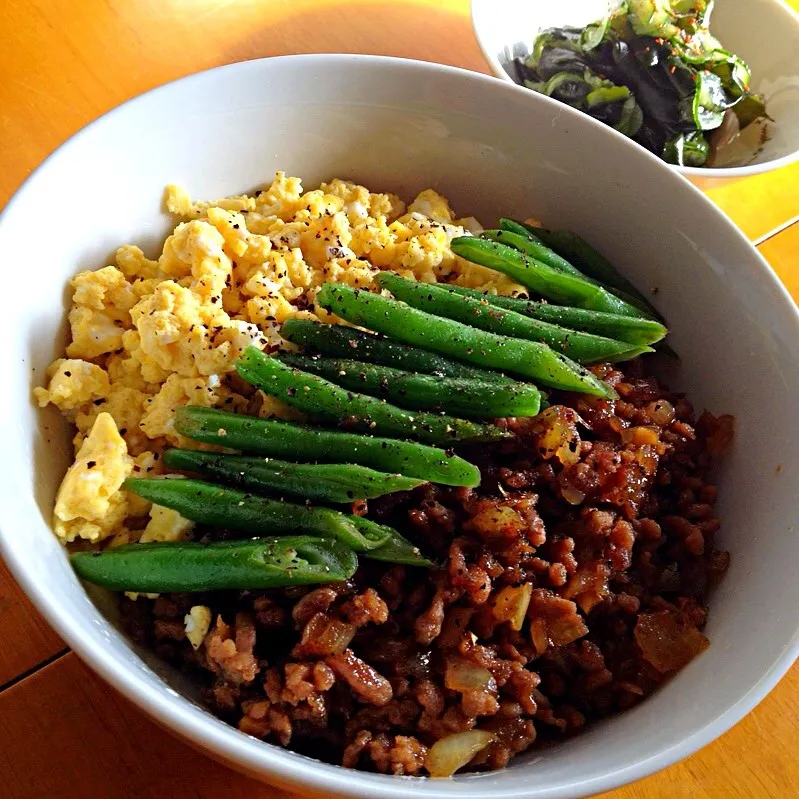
(652, 70)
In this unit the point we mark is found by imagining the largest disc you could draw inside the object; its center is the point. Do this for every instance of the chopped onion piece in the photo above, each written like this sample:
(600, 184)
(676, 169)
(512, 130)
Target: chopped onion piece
(640, 435)
(572, 495)
(499, 520)
(661, 412)
(449, 754)
(556, 434)
(588, 586)
(324, 636)
(668, 640)
(463, 675)
(511, 604)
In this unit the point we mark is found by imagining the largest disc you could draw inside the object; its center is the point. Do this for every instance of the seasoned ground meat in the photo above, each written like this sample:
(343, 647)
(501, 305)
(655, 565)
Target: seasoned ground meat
(572, 582)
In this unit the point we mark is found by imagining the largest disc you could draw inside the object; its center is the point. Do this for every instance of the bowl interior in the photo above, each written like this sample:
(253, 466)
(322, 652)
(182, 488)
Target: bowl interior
(494, 150)
(765, 33)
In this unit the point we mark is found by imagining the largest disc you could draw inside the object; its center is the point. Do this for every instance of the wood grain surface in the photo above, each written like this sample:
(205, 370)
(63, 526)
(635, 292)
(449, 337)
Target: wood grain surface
(62, 64)
(32, 639)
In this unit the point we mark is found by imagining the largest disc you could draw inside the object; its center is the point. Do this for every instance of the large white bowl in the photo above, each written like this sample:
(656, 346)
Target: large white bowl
(765, 33)
(494, 149)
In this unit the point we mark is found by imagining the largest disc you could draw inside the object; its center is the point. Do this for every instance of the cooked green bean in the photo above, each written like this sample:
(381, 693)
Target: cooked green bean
(442, 301)
(244, 565)
(525, 358)
(348, 342)
(521, 239)
(333, 405)
(560, 287)
(396, 550)
(219, 506)
(586, 258)
(593, 264)
(626, 328)
(522, 228)
(470, 399)
(323, 482)
(615, 284)
(300, 442)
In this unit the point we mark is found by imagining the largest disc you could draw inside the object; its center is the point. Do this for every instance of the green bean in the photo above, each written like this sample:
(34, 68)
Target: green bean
(395, 549)
(299, 442)
(467, 398)
(525, 358)
(348, 342)
(626, 328)
(522, 237)
(164, 567)
(587, 259)
(594, 265)
(526, 243)
(323, 482)
(399, 550)
(442, 301)
(333, 405)
(229, 508)
(522, 228)
(559, 287)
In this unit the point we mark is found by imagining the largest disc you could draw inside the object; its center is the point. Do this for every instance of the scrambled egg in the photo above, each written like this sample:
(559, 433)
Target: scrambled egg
(89, 503)
(196, 623)
(166, 525)
(152, 335)
(74, 383)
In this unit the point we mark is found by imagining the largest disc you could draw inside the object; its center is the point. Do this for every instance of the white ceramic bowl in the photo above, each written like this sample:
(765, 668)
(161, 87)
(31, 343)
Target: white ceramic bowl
(765, 33)
(494, 149)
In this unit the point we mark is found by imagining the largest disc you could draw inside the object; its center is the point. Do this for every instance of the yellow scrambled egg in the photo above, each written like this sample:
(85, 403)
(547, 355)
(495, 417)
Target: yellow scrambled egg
(152, 335)
(89, 503)
(166, 525)
(196, 623)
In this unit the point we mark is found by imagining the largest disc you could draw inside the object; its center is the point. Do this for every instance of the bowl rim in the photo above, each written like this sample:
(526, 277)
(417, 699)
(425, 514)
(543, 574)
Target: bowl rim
(479, 7)
(283, 767)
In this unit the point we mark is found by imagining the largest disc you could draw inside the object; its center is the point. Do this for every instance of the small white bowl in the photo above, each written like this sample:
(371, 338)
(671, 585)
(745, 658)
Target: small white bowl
(765, 33)
(494, 149)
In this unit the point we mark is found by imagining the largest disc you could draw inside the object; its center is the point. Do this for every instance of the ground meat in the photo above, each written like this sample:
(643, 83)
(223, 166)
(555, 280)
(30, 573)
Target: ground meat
(402, 755)
(317, 601)
(229, 653)
(303, 680)
(362, 678)
(571, 584)
(261, 720)
(365, 608)
(479, 703)
(352, 752)
(428, 626)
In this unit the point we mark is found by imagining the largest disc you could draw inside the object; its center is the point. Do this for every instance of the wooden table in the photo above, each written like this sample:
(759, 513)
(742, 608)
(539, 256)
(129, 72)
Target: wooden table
(63, 733)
